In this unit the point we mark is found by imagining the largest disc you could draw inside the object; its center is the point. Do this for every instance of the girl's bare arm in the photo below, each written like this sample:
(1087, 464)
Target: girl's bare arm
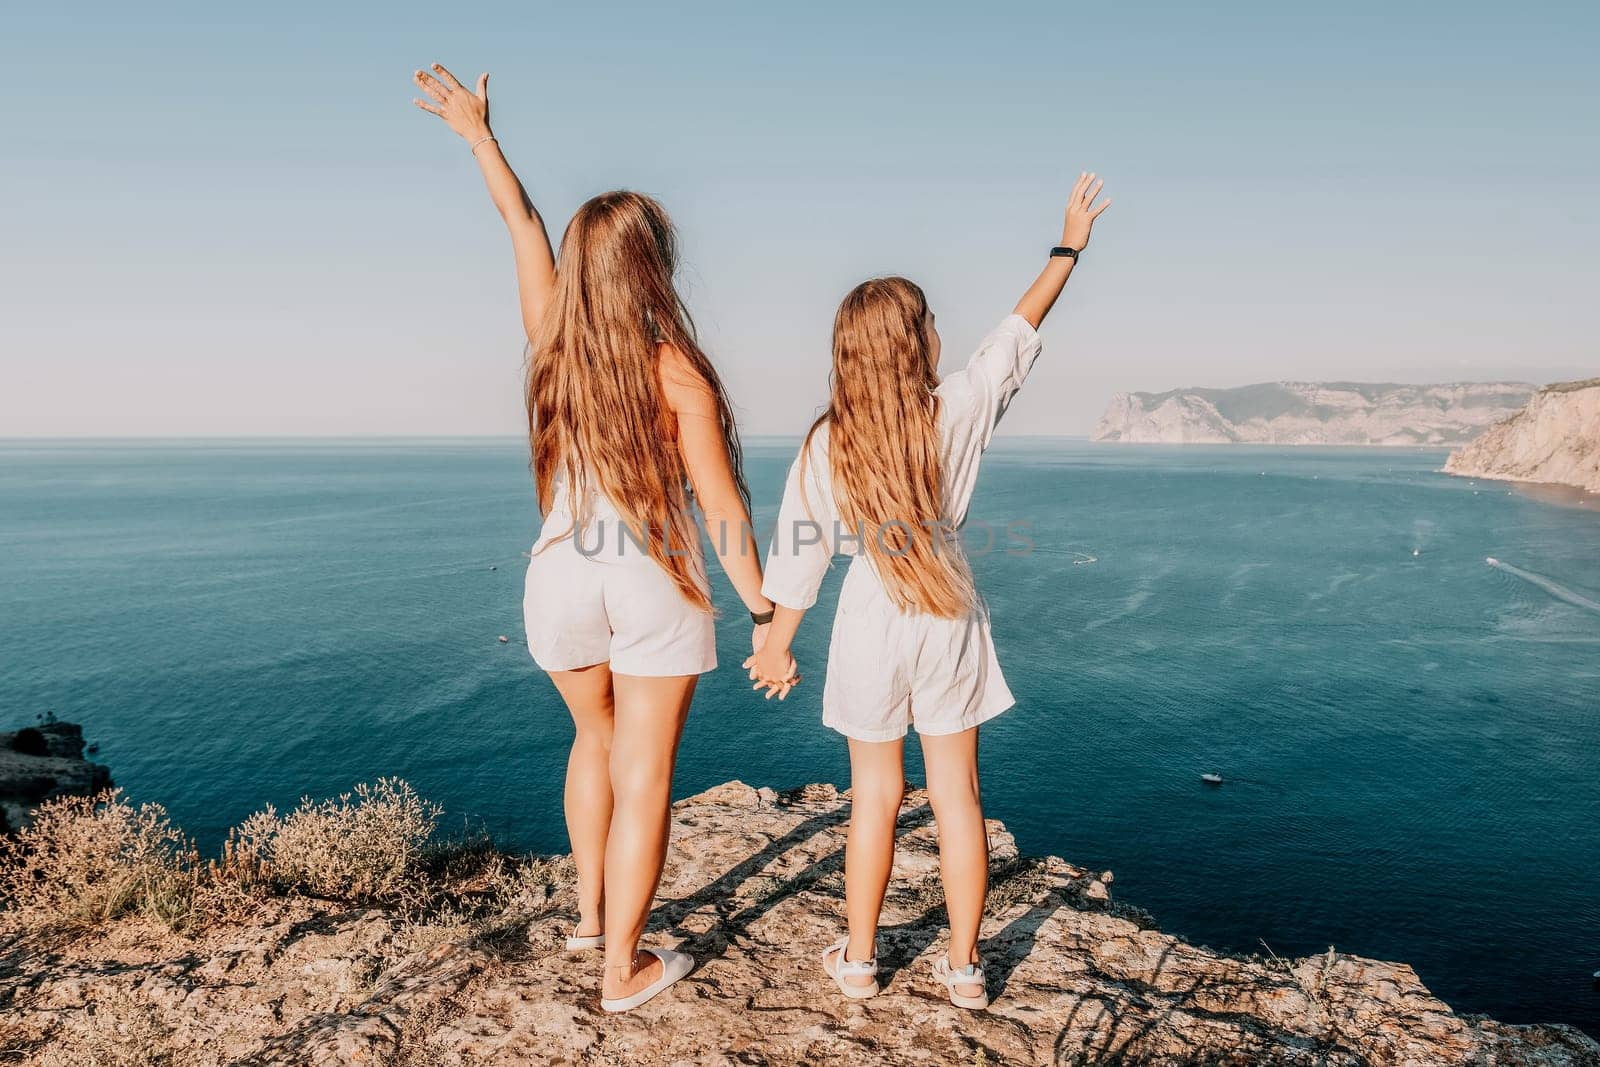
(466, 111)
(710, 470)
(1081, 213)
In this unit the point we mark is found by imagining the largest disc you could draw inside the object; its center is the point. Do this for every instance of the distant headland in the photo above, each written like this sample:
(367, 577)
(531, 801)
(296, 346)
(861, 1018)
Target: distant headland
(1313, 413)
(1555, 439)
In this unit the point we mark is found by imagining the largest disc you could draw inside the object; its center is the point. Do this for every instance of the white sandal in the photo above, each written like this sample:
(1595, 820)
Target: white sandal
(577, 942)
(843, 968)
(674, 965)
(971, 974)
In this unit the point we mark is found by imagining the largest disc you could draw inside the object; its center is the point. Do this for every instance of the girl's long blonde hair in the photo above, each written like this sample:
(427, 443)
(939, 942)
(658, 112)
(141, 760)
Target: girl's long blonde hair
(596, 413)
(883, 447)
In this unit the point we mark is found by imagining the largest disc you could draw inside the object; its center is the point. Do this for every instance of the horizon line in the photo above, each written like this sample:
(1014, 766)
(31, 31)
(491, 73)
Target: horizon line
(45, 438)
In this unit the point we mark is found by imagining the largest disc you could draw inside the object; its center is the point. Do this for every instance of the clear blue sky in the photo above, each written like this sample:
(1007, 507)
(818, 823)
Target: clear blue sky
(229, 219)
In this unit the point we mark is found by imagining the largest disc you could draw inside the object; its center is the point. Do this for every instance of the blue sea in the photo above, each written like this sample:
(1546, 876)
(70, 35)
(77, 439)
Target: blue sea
(1410, 735)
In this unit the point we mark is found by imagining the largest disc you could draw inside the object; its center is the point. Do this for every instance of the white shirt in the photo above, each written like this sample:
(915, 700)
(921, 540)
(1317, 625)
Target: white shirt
(971, 403)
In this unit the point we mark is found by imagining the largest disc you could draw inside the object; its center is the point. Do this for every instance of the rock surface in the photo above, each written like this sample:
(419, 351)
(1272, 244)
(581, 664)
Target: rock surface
(40, 762)
(1555, 439)
(1312, 413)
(753, 889)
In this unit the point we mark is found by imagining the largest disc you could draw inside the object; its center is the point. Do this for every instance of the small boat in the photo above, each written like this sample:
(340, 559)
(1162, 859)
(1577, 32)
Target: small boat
(1211, 778)
(504, 640)
(494, 566)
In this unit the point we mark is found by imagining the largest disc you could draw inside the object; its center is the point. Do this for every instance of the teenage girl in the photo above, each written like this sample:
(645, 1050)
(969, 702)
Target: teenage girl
(885, 476)
(626, 417)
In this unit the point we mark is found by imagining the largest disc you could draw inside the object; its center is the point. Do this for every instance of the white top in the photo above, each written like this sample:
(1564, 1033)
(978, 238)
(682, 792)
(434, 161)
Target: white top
(971, 403)
(605, 536)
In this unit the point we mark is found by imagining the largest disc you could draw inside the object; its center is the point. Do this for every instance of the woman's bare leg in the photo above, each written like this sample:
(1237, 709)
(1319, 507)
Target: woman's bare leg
(587, 801)
(952, 764)
(877, 785)
(649, 716)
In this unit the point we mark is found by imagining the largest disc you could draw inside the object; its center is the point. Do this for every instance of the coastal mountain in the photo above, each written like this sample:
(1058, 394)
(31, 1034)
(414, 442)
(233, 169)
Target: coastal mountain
(1556, 438)
(473, 968)
(1313, 413)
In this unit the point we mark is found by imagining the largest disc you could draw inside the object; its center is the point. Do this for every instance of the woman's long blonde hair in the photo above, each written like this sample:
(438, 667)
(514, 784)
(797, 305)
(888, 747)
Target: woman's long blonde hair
(596, 413)
(883, 447)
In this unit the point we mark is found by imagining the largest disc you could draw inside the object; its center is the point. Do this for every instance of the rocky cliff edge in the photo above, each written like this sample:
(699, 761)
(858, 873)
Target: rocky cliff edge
(753, 889)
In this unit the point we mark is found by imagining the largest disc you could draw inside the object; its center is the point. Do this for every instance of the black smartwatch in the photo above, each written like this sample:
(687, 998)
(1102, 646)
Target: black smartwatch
(1063, 250)
(761, 618)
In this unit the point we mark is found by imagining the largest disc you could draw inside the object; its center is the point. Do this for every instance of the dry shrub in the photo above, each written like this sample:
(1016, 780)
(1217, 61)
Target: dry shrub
(88, 859)
(466, 888)
(360, 847)
(471, 877)
(236, 883)
(529, 884)
(244, 864)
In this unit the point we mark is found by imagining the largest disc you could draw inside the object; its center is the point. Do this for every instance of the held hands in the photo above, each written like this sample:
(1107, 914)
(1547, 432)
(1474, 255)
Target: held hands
(463, 110)
(1082, 211)
(772, 668)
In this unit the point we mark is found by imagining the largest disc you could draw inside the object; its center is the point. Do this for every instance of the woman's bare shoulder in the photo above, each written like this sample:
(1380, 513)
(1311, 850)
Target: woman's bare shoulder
(684, 387)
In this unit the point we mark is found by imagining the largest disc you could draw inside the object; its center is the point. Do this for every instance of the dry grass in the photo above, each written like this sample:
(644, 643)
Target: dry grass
(86, 861)
(361, 847)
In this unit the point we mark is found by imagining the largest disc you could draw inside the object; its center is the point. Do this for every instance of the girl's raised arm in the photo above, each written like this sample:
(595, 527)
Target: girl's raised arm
(1081, 213)
(467, 113)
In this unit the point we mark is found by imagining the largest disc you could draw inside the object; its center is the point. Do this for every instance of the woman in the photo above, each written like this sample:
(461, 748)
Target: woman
(623, 408)
(886, 475)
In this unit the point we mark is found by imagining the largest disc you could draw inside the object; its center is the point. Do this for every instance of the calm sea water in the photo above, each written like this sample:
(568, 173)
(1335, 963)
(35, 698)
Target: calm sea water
(1411, 736)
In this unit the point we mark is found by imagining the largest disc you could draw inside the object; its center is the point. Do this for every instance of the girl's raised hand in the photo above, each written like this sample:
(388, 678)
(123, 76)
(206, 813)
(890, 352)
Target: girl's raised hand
(463, 110)
(1082, 211)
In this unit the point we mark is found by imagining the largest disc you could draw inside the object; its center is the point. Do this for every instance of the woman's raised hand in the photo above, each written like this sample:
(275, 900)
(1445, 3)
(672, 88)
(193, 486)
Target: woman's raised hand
(463, 110)
(1082, 211)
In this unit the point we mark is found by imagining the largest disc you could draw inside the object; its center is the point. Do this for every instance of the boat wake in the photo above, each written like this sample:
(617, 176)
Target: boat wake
(1555, 589)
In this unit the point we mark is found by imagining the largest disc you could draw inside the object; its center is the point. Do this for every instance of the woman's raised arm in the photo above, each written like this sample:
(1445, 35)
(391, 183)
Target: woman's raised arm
(467, 113)
(1081, 213)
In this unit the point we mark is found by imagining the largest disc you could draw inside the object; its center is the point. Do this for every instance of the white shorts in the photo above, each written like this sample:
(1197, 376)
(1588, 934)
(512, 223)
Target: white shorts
(888, 671)
(580, 611)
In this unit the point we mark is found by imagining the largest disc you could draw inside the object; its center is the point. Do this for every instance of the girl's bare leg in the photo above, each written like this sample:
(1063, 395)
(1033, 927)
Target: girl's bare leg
(877, 785)
(587, 801)
(952, 765)
(650, 714)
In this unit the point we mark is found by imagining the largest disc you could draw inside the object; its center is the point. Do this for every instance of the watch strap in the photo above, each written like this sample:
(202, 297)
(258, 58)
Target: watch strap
(1063, 250)
(761, 618)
